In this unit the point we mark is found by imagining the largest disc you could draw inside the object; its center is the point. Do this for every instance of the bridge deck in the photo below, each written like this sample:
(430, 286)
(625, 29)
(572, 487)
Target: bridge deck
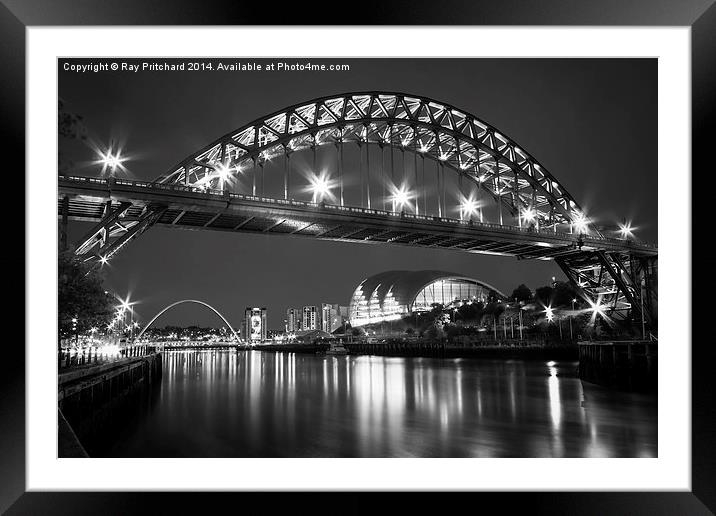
(194, 208)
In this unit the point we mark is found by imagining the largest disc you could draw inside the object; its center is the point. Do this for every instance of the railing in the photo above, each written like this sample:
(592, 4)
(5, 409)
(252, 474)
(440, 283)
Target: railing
(94, 355)
(211, 193)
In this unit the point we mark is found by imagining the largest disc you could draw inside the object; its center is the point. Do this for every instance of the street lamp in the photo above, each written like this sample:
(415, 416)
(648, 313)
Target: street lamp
(580, 223)
(401, 197)
(571, 335)
(224, 174)
(74, 328)
(626, 230)
(520, 315)
(550, 313)
(468, 208)
(320, 187)
(111, 160)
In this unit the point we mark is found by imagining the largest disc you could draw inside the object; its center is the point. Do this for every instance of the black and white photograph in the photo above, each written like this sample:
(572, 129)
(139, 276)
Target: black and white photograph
(280, 258)
(357, 257)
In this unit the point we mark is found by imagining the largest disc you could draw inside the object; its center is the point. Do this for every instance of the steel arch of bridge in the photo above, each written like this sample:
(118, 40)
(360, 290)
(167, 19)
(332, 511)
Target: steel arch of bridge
(238, 339)
(455, 139)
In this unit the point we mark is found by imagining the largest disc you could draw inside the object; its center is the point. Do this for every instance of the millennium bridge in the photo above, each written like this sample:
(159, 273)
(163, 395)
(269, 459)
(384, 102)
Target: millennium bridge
(379, 168)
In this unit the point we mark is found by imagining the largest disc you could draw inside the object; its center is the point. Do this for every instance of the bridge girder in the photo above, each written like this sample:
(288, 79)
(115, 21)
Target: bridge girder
(115, 229)
(193, 208)
(621, 284)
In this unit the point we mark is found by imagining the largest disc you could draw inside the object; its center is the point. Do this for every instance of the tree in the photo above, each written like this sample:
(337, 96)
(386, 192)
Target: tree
(492, 297)
(343, 329)
(432, 333)
(436, 309)
(69, 126)
(564, 292)
(80, 296)
(452, 331)
(522, 293)
(471, 312)
(544, 295)
(357, 331)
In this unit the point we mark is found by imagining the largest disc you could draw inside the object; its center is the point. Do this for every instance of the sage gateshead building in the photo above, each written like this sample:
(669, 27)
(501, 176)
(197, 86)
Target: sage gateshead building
(391, 295)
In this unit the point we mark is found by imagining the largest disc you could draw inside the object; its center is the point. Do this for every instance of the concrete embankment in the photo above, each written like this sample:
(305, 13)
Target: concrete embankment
(292, 348)
(68, 444)
(450, 350)
(418, 348)
(625, 365)
(85, 391)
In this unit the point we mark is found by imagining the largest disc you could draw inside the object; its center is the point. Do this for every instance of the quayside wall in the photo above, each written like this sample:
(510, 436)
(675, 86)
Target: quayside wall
(84, 393)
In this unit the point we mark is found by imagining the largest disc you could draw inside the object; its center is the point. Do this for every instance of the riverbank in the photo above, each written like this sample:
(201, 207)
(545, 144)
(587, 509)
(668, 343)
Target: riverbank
(88, 395)
(439, 349)
(622, 365)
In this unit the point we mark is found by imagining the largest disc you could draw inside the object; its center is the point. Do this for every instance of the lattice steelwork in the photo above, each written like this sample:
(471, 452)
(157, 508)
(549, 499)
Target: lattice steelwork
(456, 140)
(120, 223)
(618, 283)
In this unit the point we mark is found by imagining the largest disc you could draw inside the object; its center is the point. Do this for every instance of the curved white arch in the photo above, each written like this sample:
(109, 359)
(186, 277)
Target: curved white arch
(189, 301)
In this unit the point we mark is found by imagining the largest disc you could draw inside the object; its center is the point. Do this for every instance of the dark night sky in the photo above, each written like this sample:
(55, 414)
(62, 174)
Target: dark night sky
(591, 122)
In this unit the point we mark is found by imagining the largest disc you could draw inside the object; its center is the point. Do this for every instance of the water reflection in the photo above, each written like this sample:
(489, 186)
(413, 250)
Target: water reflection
(252, 404)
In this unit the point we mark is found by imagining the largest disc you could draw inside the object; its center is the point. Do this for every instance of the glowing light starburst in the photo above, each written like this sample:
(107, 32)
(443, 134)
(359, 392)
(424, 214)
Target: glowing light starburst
(626, 230)
(320, 187)
(549, 312)
(111, 159)
(400, 197)
(581, 223)
(469, 207)
(224, 174)
(597, 308)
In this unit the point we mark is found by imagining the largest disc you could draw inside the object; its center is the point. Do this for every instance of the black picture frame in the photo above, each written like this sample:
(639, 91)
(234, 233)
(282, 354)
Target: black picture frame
(17, 15)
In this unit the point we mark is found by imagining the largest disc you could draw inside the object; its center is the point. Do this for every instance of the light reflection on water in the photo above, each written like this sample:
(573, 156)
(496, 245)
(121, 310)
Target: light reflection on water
(253, 404)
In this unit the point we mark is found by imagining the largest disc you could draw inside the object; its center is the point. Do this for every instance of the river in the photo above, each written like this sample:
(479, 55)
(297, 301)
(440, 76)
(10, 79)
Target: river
(263, 404)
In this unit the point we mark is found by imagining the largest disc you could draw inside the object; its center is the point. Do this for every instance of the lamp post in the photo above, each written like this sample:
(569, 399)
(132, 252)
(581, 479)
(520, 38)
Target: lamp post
(643, 324)
(560, 328)
(74, 329)
(571, 335)
(520, 314)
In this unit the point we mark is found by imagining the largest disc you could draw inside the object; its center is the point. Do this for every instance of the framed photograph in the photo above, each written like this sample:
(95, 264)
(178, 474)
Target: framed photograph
(258, 261)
